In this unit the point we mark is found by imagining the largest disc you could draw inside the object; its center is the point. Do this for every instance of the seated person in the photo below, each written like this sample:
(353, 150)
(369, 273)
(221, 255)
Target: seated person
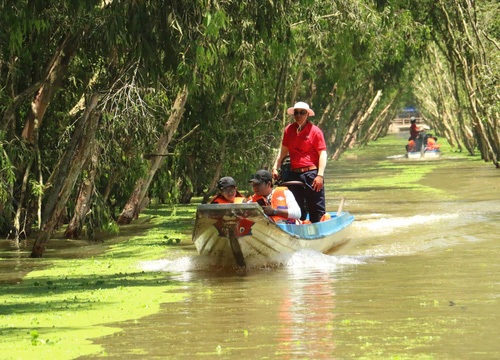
(227, 192)
(279, 204)
(411, 146)
(431, 143)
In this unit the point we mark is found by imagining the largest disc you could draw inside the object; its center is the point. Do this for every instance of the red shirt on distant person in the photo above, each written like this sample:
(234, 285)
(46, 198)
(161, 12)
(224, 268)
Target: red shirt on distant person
(413, 129)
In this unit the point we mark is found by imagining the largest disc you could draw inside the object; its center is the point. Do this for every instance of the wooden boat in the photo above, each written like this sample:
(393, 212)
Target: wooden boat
(242, 233)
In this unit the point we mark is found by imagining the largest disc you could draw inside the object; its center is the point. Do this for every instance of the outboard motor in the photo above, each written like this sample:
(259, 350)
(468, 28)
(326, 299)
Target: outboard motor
(284, 171)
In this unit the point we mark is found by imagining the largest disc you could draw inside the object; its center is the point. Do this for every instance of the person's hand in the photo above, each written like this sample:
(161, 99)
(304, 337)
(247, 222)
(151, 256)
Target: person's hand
(268, 210)
(317, 184)
(275, 173)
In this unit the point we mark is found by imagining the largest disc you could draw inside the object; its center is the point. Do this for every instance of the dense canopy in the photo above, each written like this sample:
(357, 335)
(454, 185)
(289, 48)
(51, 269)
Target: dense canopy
(109, 104)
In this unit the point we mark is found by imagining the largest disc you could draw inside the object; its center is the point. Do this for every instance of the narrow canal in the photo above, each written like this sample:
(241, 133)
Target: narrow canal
(420, 278)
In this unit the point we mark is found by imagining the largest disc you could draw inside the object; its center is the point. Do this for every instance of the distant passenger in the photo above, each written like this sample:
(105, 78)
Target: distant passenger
(432, 143)
(411, 146)
(227, 192)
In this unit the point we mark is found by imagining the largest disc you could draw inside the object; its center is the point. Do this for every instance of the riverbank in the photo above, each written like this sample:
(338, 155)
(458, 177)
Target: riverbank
(80, 292)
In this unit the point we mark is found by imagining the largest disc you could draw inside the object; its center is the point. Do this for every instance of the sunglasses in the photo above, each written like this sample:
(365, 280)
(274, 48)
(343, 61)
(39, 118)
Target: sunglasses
(301, 112)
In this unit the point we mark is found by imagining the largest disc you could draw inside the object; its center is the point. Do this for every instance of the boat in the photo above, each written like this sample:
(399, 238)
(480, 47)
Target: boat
(426, 154)
(241, 234)
(423, 147)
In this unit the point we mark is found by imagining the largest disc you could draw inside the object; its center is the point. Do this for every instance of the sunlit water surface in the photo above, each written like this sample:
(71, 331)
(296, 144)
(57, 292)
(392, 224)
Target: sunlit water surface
(420, 279)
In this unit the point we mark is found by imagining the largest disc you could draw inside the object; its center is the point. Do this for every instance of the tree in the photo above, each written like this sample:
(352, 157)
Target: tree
(133, 206)
(242, 64)
(466, 33)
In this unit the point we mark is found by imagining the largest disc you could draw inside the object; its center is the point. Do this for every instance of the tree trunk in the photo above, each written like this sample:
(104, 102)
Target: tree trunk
(20, 207)
(329, 107)
(132, 208)
(55, 74)
(351, 134)
(83, 200)
(63, 179)
(469, 51)
(81, 209)
(216, 175)
(9, 115)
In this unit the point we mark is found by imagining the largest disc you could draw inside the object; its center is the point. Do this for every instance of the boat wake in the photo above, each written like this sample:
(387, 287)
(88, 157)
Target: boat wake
(389, 225)
(402, 236)
(300, 260)
(314, 260)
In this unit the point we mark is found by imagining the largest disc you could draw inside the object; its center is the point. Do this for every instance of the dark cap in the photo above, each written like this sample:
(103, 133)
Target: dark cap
(225, 182)
(261, 176)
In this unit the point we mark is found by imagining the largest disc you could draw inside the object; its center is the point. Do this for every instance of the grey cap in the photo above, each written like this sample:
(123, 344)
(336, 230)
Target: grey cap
(261, 176)
(225, 182)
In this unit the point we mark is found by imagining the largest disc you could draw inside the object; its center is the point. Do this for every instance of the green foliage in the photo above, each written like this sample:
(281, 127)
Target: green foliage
(244, 63)
(6, 171)
(100, 218)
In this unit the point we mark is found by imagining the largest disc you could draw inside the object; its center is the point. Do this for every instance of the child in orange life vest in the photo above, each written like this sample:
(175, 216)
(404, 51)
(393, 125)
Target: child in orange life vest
(227, 192)
(279, 204)
(431, 143)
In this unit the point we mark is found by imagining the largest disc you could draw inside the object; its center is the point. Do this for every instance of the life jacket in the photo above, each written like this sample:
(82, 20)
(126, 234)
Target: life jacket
(325, 217)
(431, 144)
(278, 201)
(219, 199)
(411, 146)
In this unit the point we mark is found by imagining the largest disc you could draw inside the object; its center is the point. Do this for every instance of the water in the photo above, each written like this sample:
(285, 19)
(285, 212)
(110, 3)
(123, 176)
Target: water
(420, 279)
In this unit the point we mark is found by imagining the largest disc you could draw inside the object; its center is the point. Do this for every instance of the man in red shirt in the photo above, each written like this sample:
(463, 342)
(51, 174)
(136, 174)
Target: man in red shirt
(413, 129)
(305, 144)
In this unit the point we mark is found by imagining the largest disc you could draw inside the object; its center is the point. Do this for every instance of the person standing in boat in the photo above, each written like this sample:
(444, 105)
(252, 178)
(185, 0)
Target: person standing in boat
(305, 144)
(227, 192)
(413, 129)
(279, 204)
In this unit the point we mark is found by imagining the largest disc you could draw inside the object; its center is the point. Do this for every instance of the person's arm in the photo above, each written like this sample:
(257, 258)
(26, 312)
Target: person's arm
(319, 180)
(279, 159)
(292, 211)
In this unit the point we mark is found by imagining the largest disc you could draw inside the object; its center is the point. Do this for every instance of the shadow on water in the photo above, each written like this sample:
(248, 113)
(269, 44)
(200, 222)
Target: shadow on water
(15, 262)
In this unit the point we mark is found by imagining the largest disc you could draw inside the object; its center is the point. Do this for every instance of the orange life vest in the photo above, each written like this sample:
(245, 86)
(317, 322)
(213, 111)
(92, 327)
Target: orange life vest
(325, 217)
(278, 201)
(411, 146)
(219, 199)
(431, 144)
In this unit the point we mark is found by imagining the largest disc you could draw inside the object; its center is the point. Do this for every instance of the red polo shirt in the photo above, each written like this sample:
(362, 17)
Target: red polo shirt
(304, 146)
(413, 131)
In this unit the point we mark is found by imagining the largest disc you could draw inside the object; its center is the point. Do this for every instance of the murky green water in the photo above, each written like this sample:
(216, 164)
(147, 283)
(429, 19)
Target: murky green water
(419, 280)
